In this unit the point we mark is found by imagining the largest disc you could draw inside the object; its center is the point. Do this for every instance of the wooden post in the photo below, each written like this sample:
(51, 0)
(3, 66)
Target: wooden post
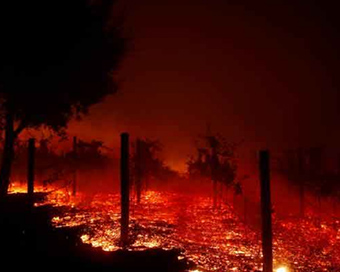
(266, 212)
(124, 187)
(138, 170)
(30, 167)
(75, 150)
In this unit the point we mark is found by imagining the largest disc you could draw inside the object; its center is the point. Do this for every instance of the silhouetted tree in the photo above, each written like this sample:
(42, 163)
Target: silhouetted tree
(306, 169)
(148, 166)
(57, 59)
(216, 162)
(49, 166)
(90, 155)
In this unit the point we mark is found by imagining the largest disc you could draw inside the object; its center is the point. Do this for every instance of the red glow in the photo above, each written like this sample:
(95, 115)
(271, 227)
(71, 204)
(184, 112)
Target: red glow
(213, 239)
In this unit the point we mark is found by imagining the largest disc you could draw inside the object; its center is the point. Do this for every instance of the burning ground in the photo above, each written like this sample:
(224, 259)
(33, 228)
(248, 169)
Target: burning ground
(214, 239)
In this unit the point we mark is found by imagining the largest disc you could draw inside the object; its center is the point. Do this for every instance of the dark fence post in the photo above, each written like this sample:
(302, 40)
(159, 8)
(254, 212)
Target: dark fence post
(75, 150)
(30, 167)
(266, 212)
(138, 170)
(124, 187)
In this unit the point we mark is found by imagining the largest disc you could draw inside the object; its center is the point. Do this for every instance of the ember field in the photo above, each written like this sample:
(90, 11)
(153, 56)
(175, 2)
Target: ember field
(215, 240)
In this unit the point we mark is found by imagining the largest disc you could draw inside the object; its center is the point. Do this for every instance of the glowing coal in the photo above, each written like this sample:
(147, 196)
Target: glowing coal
(216, 240)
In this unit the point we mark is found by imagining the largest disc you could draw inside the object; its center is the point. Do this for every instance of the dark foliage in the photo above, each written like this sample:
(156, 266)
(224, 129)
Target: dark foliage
(57, 59)
(307, 167)
(215, 161)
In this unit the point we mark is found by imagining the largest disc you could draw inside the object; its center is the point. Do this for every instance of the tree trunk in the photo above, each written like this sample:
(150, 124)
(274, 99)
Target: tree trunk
(8, 155)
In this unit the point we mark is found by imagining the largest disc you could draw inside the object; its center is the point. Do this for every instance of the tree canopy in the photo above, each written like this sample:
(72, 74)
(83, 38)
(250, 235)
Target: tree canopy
(215, 160)
(57, 59)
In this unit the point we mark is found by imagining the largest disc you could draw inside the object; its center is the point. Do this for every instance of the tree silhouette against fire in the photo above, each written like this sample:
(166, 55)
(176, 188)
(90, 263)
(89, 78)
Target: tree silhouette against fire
(216, 162)
(57, 59)
(147, 168)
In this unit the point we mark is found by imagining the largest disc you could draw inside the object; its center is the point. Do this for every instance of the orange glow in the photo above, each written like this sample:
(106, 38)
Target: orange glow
(214, 240)
(282, 269)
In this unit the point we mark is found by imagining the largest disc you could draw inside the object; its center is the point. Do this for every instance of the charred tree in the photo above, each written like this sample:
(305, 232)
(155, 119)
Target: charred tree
(30, 167)
(266, 212)
(215, 162)
(124, 186)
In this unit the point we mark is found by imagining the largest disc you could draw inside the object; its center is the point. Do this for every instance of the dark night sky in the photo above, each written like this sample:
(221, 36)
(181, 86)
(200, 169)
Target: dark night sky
(265, 73)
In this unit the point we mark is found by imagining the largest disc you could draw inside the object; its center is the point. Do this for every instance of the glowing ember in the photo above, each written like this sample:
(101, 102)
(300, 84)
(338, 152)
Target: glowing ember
(282, 269)
(216, 240)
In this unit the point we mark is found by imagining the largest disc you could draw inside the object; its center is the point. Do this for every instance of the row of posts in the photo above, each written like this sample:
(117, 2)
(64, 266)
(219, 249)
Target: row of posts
(266, 208)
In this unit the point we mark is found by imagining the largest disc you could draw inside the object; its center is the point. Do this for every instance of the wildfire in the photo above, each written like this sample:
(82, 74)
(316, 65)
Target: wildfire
(214, 240)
